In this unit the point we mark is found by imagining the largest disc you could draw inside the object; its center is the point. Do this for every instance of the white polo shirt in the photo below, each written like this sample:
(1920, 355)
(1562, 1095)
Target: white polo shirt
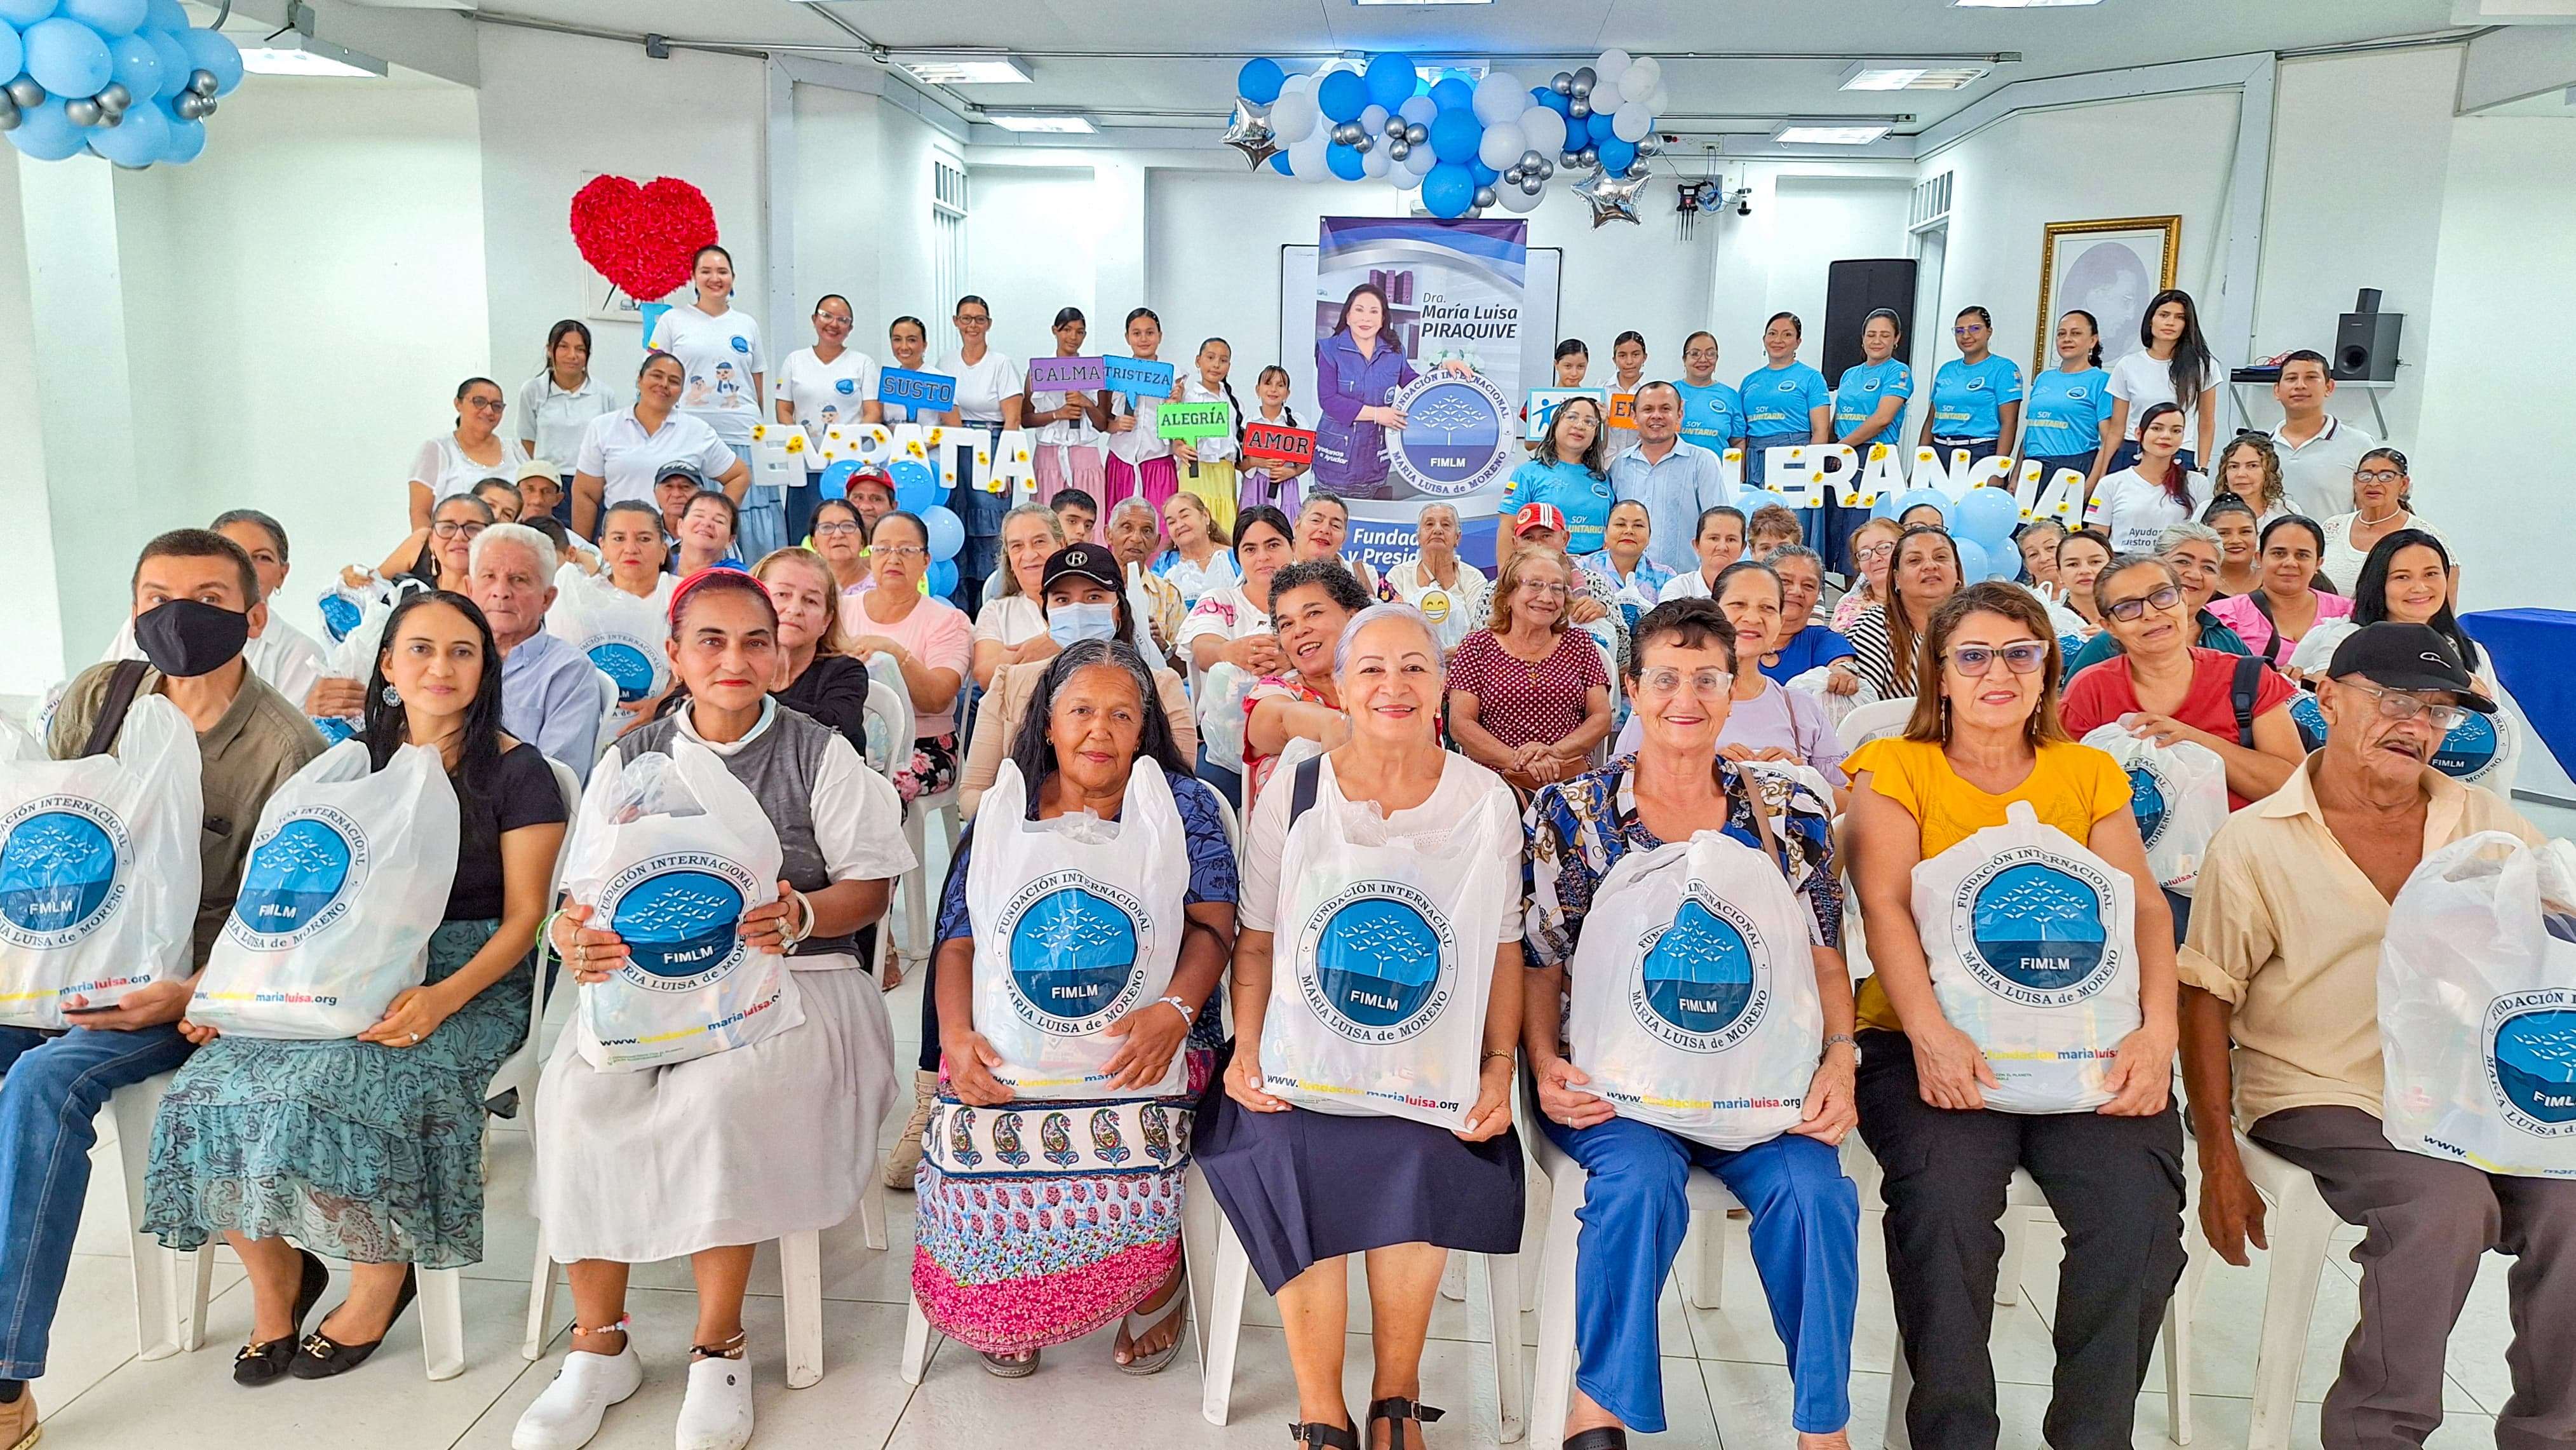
(825, 393)
(2317, 474)
(556, 419)
(617, 449)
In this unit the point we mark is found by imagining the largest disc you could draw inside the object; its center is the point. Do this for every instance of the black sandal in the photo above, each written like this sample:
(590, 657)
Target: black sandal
(265, 1362)
(1315, 1435)
(320, 1356)
(1396, 1409)
(1600, 1437)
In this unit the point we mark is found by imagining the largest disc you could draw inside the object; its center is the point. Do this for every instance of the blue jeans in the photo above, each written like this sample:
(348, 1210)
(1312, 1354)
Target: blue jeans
(1806, 1246)
(51, 1088)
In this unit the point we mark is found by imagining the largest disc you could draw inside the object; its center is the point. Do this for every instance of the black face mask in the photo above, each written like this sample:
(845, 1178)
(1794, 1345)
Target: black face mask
(183, 638)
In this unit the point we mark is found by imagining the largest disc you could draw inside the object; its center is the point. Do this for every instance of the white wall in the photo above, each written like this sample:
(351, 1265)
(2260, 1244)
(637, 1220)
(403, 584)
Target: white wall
(1033, 246)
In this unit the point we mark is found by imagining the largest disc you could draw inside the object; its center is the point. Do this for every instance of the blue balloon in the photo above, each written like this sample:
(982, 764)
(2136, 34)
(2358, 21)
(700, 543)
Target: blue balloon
(23, 13)
(1617, 156)
(208, 51)
(187, 140)
(1341, 96)
(143, 138)
(67, 58)
(1974, 566)
(46, 134)
(1598, 128)
(1390, 79)
(915, 487)
(1345, 162)
(167, 15)
(1484, 175)
(1279, 163)
(942, 578)
(1755, 498)
(137, 64)
(175, 63)
(835, 481)
(13, 53)
(1259, 81)
(1455, 135)
(1454, 94)
(947, 531)
(1914, 498)
(1447, 190)
(1988, 515)
(110, 18)
(1562, 105)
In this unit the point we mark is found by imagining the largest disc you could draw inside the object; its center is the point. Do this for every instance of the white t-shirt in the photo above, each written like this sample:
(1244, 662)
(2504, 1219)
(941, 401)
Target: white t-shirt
(448, 472)
(720, 354)
(982, 386)
(1195, 581)
(1009, 619)
(2317, 474)
(1224, 613)
(2135, 512)
(825, 393)
(283, 656)
(555, 418)
(2146, 381)
(1219, 449)
(2342, 562)
(1454, 612)
(1143, 442)
(1464, 789)
(618, 450)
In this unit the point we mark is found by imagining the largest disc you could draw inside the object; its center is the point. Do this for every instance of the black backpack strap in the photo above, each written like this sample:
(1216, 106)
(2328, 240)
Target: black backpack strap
(1303, 784)
(122, 686)
(2272, 646)
(2241, 693)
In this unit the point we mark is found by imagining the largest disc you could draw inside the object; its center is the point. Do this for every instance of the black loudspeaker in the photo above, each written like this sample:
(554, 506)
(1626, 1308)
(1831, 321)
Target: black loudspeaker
(2366, 341)
(1854, 290)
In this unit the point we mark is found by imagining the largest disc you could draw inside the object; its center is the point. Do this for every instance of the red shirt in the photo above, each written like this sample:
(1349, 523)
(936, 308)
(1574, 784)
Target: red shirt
(1519, 702)
(2102, 693)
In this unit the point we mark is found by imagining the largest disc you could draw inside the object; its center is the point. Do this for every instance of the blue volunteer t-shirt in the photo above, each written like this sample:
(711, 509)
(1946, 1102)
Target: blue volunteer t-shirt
(1711, 415)
(1968, 398)
(2065, 413)
(1809, 647)
(1780, 400)
(1583, 499)
(1863, 388)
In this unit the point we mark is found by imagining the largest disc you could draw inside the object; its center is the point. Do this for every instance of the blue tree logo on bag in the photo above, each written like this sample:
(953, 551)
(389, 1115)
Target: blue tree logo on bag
(2310, 717)
(64, 867)
(1075, 943)
(301, 878)
(2147, 800)
(680, 916)
(1379, 950)
(1455, 438)
(2531, 1060)
(623, 659)
(1704, 981)
(2029, 927)
(2469, 752)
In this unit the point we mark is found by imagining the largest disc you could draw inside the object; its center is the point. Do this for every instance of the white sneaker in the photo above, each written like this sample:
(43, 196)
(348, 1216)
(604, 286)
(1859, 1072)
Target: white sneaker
(567, 1415)
(716, 1412)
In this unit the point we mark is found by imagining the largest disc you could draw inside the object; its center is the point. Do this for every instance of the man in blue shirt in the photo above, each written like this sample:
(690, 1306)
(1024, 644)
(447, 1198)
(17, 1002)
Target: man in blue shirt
(1672, 477)
(551, 693)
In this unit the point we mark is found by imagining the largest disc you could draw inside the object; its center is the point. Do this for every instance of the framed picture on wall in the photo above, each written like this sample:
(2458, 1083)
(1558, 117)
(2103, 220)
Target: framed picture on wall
(2108, 268)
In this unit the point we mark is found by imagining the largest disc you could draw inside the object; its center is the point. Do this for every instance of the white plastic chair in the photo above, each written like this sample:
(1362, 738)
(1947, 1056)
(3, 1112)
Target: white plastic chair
(169, 1314)
(612, 716)
(1873, 721)
(2301, 1229)
(917, 922)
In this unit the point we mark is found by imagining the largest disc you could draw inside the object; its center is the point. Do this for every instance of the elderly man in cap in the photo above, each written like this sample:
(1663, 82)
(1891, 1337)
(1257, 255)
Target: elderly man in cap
(1592, 608)
(2282, 965)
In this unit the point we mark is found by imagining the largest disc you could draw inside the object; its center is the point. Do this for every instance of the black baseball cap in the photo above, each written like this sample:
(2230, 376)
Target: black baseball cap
(1086, 561)
(671, 471)
(2407, 657)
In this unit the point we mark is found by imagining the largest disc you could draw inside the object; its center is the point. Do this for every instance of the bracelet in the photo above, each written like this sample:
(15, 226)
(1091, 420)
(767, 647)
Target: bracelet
(1840, 1039)
(1189, 1014)
(1491, 1053)
(806, 928)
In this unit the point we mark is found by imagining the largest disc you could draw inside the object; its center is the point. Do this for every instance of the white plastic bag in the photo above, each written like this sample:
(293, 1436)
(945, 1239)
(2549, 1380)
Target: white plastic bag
(347, 879)
(2477, 1007)
(1221, 693)
(354, 658)
(2033, 946)
(670, 851)
(2178, 793)
(1693, 994)
(622, 635)
(343, 605)
(1382, 962)
(99, 866)
(1836, 706)
(1077, 922)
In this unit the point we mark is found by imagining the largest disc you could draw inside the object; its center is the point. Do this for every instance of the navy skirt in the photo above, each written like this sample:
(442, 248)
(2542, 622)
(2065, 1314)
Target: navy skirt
(1301, 1187)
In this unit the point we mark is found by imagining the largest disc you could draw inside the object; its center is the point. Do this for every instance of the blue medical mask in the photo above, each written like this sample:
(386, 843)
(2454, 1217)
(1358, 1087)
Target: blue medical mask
(1069, 624)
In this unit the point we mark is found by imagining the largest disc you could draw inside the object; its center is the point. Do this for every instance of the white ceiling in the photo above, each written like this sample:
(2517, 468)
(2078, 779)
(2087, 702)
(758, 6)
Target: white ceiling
(1199, 44)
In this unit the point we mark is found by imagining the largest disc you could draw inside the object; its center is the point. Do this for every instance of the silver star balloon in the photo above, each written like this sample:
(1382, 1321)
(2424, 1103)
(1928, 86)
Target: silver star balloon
(1612, 198)
(1249, 132)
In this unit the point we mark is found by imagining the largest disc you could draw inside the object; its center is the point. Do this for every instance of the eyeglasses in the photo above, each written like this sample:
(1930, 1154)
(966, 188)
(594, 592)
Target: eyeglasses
(901, 551)
(974, 319)
(2128, 609)
(1875, 551)
(484, 405)
(823, 530)
(1978, 659)
(2377, 475)
(1542, 590)
(450, 528)
(1666, 682)
(2398, 707)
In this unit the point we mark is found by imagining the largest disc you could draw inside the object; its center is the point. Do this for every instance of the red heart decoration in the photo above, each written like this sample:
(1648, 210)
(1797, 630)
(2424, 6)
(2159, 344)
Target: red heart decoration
(643, 238)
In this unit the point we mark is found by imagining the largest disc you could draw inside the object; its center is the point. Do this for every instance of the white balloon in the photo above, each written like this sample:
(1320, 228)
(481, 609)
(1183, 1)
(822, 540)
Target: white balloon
(1401, 174)
(1293, 114)
(1640, 79)
(1660, 102)
(1544, 129)
(1373, 121)
(1631, 122)
(1301, 81)
(1421, 161)
(1518, 201)
(1306, 159)
(1500, 97)
(1418, 109)
(1373, 161)
(1608, 69)
(1502, 147)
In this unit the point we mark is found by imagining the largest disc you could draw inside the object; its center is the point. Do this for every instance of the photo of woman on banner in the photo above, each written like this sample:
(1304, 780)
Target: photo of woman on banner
(1359, 368)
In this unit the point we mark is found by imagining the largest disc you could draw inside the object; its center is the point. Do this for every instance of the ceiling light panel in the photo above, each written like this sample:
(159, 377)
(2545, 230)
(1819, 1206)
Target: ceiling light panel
(1048, 123)
(1829, 133)
(2018, 4)
(298, 55)
(962, 67)
(1898, 75)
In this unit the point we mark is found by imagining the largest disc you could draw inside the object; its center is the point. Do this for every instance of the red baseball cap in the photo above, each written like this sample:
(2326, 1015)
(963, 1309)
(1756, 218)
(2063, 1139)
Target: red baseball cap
(869, 473)
(1538, 516)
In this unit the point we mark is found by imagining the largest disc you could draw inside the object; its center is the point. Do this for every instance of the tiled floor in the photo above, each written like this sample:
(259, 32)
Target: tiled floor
(1723, 1375)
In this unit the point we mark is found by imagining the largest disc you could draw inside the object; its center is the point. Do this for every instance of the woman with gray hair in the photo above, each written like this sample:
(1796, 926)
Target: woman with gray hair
(1010, 628)
(2194, 550)
(1377, 993)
